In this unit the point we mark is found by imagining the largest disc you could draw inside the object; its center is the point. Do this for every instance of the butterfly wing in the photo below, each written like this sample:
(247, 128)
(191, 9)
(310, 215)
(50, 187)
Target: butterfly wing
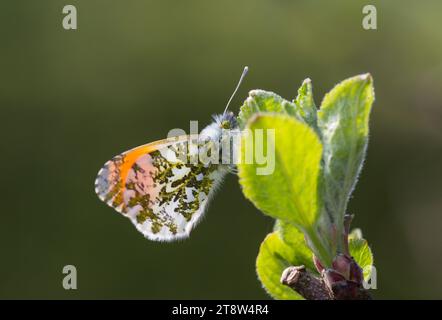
(162, 193)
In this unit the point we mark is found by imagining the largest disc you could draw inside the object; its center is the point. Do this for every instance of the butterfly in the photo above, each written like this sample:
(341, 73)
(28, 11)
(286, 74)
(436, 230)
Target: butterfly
(164, 187)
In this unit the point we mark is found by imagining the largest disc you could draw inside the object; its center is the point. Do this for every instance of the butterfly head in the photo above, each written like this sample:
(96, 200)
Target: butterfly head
(223, 125)
(226, 121)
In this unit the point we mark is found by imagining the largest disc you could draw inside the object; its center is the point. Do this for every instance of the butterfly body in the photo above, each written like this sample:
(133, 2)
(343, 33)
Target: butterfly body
(164, 187)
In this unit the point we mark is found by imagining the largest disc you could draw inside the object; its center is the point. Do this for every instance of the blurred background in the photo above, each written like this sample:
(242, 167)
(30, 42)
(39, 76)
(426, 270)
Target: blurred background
(134, 69)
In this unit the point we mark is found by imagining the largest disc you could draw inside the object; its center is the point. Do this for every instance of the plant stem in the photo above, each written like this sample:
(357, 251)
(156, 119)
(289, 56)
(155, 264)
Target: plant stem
(312, 287)
(306, 284)
(318, 248)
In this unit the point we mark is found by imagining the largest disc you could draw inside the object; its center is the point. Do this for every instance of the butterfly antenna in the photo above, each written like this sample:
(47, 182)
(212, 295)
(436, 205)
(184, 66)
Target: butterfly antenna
(237, 86)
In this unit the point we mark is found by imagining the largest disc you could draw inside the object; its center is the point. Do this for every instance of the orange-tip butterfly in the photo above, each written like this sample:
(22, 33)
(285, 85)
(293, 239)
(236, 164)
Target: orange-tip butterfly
(164, 187)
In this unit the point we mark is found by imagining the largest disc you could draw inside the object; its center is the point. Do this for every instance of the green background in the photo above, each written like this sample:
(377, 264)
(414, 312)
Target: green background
(70, 100)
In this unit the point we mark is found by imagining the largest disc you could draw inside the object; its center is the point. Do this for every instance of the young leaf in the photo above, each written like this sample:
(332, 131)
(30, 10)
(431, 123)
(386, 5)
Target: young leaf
(361, 252)
(306, 104)
(274, 256)
(343, 121)
(294, 238)
(355, 234)
(290, 191)
(264, 101)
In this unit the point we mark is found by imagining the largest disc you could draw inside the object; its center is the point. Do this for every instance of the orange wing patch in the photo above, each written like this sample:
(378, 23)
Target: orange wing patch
(111, 179)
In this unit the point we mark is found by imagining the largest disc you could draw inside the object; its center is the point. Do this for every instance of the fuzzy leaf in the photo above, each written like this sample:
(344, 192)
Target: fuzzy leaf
(294, 238)
(343, 122)
(361, 252)
(306, 104)
(289, 192)
(264, 101)
(356, 233)
(274, 256)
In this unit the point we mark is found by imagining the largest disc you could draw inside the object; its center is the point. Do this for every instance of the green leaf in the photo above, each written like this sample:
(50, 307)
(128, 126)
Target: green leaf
(356, 233)
(264, 101)
(289, 192)
(343, 122)
(361, 252)
(294, 238)
(274, 256)
(306, 104)
(289, 189)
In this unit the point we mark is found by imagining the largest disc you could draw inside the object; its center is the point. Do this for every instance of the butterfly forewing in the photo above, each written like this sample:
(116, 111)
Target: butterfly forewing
(163, 193)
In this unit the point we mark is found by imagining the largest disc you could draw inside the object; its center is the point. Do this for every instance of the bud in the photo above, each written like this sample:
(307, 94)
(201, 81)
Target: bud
(356, 273)
(332, 278)
(341, 263)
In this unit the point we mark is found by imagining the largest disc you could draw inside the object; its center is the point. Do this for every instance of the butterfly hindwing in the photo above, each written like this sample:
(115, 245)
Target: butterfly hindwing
(160, 192)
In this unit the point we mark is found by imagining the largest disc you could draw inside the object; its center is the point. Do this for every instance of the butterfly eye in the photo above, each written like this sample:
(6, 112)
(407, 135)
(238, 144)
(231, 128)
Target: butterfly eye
(225, 124)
